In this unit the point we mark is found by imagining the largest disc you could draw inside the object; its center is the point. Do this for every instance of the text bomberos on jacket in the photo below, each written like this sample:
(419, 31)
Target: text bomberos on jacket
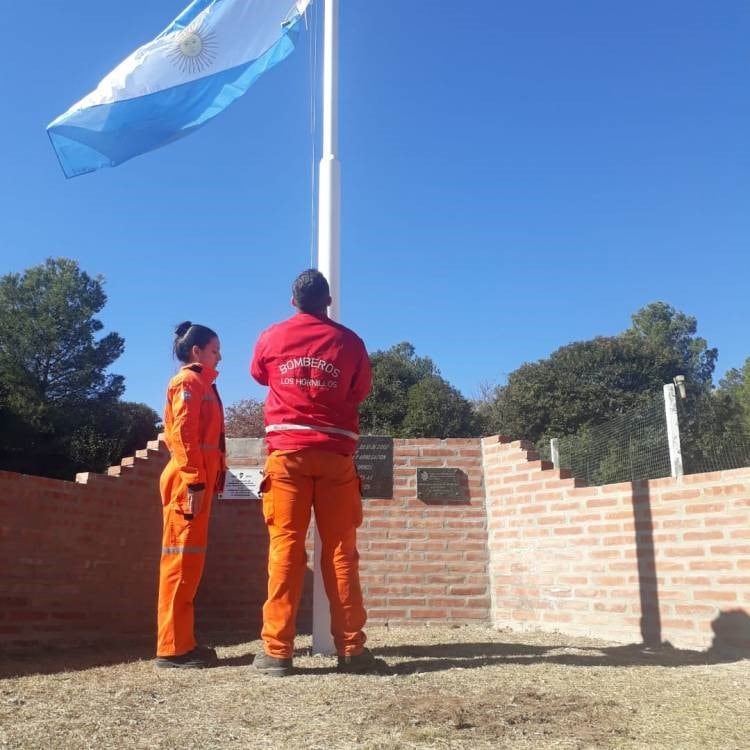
(309, 372)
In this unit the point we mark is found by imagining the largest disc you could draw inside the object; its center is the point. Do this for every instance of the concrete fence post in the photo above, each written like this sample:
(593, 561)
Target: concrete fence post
(554, 450)
(673, 430)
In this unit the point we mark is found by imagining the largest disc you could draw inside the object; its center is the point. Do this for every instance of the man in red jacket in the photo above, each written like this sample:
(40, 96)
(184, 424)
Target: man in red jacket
(318, 373)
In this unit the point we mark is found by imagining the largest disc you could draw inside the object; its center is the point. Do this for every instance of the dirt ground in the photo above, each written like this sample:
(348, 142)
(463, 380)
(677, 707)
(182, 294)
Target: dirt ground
(467, 687)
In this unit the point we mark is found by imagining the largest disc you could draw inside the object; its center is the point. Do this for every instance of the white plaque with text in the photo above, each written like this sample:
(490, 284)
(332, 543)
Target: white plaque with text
(242, 483)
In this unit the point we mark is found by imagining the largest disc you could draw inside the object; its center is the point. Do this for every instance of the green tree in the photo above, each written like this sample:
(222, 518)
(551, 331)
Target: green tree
(715, 425)
(580, 384)
(48, 353)
(585, 385)
(394, 371)
(18, 437)
(436, 409)
(61, 408)
(104, 435)
(410, 398)
(735, 385)
(589, 382)
(670, 337)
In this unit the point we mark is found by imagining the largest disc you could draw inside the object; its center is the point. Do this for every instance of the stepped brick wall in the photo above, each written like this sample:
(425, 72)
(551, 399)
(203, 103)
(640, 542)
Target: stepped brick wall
(660, 560)
(82, 558)
(526, 546)
(79, 560)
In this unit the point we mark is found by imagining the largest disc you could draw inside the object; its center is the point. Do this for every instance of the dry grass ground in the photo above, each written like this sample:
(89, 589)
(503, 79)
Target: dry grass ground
(467, 687)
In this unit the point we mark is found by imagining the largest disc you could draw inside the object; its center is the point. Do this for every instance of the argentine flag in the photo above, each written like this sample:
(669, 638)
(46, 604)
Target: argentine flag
(205, 59)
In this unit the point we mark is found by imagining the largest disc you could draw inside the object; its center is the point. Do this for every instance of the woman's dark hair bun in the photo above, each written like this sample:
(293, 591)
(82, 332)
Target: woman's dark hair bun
(188, 335)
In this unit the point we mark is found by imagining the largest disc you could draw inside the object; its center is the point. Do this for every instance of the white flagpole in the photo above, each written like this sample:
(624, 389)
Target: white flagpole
(329, 178)
(329, 249)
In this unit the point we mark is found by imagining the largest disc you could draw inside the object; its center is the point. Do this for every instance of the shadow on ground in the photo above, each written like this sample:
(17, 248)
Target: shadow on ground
(402, 660)
(437, 657)
(75, 659)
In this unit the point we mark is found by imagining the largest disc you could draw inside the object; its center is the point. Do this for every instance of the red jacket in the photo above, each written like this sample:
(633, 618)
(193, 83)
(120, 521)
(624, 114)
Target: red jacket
(318, 373)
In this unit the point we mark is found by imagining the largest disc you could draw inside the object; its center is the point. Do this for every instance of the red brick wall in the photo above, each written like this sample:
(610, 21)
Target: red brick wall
(233, 588)
(420, 561)
(662, 560)
(423, 561)
(79, 561)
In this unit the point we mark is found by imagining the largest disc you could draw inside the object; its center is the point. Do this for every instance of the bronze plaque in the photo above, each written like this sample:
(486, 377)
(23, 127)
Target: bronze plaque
(374, 460)
(439, 484)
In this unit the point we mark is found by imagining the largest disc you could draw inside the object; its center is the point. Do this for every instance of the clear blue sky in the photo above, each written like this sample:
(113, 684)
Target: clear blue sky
(516, 176)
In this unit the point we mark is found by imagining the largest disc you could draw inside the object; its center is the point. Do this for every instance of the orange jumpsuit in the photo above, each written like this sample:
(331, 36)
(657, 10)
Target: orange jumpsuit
(194, 433)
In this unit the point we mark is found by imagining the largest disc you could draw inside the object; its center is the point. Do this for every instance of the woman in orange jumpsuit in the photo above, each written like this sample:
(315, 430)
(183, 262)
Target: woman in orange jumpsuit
(194, 433)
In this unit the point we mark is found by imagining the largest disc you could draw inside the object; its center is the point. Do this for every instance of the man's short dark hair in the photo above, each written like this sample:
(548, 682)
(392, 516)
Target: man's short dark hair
(311, 291)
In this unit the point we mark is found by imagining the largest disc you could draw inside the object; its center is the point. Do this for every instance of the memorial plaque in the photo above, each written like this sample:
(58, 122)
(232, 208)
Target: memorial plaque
(440, 484)
(242, 483)
(374, 460)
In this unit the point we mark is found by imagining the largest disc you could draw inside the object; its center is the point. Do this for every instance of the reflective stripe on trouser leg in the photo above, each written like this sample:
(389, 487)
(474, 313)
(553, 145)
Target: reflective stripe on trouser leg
(287, 500)
(180, 570)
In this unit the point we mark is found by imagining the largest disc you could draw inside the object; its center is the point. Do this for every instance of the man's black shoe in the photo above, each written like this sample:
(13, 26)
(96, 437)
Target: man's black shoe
(359, 663)
(272, 666)
(199, 658)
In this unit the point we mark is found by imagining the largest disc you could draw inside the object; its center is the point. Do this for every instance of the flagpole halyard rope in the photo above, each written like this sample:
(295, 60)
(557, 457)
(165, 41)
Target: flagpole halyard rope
(313, 64)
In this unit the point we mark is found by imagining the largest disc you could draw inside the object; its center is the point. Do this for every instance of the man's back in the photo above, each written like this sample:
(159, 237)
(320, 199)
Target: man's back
(318, 373)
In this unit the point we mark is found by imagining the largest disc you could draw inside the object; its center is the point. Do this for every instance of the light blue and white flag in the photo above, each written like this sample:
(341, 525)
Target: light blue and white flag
(205, 59)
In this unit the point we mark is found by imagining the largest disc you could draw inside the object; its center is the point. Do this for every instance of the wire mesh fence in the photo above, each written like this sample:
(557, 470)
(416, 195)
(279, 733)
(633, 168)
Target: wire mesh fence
(710, 439)
(630, 446)
(634, 445)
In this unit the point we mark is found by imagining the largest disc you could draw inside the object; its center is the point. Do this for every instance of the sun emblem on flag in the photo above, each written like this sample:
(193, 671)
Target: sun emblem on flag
(194, 49)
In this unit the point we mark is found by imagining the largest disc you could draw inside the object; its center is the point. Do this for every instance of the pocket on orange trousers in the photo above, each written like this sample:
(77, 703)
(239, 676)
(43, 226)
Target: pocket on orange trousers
(357, 505)
(266, 494)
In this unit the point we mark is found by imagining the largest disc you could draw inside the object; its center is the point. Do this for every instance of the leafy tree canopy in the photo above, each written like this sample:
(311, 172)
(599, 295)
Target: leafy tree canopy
(48, 352)
(59, 407)
(410, 398)
(735, 386)
(670, 337)
(588, 382)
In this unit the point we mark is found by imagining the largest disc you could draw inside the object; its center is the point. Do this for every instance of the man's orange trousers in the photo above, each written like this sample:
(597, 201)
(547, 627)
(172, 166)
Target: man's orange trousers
(296, 482)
